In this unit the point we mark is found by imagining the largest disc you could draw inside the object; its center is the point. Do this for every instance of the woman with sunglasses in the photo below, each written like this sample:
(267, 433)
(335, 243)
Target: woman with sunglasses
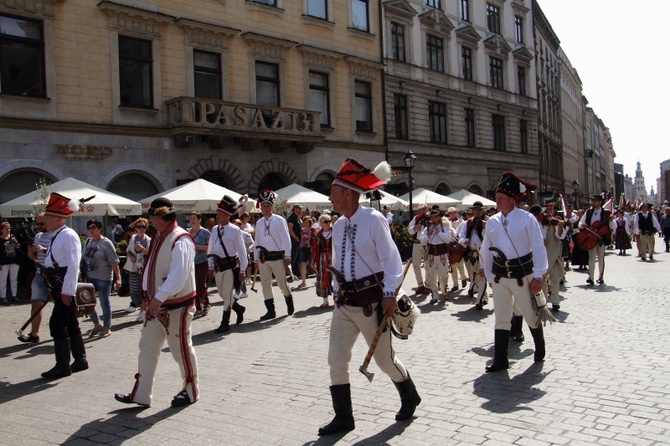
(137, 249)
(100, 265)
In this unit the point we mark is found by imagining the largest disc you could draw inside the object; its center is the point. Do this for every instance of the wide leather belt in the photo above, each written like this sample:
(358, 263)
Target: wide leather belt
(513, 268)
(437, 250)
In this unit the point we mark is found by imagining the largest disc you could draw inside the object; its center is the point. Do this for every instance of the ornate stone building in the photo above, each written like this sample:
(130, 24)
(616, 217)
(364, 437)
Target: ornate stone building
(137, 97)
(460, 91)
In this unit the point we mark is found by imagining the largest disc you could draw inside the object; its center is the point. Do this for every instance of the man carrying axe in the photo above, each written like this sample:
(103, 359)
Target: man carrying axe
(371, 271)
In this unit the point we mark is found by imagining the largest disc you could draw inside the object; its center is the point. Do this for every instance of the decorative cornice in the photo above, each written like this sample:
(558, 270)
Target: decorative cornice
(319, 57)
(468, 34)
(497, 44)
(399, 8)
(134, 20)
(205, 34)
(437, 21)
(267, 46)
(523, 54)
(32, 8)
(363, 68)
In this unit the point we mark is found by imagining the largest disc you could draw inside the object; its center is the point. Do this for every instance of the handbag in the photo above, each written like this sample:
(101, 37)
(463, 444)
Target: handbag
(85, 299)
(130, 265)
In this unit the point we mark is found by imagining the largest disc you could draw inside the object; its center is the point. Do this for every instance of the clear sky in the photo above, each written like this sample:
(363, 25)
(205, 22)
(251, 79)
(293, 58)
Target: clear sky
(620, 51)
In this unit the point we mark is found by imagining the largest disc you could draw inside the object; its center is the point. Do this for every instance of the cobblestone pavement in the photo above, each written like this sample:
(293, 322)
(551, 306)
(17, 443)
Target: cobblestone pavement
(605, 380)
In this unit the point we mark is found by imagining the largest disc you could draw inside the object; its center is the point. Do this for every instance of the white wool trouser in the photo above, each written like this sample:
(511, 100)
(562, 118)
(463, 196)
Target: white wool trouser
(267, 269)
(507, 294)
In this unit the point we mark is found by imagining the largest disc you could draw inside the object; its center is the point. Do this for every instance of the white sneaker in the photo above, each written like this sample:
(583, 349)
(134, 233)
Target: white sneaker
(236, 294)
(140, 316)
(243, 295)
(131, 309)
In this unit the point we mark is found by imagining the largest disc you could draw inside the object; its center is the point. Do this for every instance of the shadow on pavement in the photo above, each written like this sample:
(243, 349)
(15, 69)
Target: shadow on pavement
(505, 394)
(38, 348)
(380, 438)
(124, 421)
(246, 327)
(11, 392)
(474, 315)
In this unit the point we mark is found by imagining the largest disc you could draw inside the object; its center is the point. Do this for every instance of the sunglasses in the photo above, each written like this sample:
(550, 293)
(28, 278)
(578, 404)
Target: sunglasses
(140, 227)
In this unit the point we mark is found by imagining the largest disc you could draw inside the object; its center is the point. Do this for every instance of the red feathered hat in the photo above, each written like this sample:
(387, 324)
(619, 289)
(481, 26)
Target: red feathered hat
(60, 206)
(355, 176)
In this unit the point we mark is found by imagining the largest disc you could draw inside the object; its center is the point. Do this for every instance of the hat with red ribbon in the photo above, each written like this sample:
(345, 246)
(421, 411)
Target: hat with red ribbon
(355, 176)
(61, 206)
(227, 205)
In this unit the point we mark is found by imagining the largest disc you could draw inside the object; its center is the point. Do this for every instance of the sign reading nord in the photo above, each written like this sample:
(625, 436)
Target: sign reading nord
(195, 112)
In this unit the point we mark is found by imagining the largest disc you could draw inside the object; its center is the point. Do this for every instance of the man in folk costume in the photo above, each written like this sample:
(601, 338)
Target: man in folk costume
(63, 256)
(553, 232)
(436, 237)
(457, 268)
(514, 261)
(645, 227)
(227, 256)
(370, 272)
(416, 225)
(593, 214)
(470, 236)
(168, 282)
(272, 253)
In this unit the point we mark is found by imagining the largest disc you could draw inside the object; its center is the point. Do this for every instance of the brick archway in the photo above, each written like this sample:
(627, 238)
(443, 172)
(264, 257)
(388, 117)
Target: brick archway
(214, 163)
(273, 166)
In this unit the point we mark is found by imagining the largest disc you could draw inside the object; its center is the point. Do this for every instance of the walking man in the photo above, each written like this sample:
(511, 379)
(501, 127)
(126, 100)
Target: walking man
(645, 227)
(227, 256)
(597, 214)
(168, 282)
(416, 225)
(272, 253)
(370, 272)
(514, 261)
(62, 263)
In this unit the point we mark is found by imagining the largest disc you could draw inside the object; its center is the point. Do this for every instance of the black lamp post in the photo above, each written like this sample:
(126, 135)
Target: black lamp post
(575, 193)
(410, 158)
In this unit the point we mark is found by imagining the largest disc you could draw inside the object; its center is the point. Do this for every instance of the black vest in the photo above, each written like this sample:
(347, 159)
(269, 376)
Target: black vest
(645, 224)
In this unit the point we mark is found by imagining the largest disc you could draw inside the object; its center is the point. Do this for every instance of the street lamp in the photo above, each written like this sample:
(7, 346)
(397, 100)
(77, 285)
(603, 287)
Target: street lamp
(410, 158)
(575, 193)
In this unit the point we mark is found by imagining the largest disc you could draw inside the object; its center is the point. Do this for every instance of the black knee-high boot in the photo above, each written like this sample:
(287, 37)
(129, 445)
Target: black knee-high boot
(271, 314)
(62, 367)
(289, 304)
(517, 329)
(344, 415)
(239, 311)
(78, 353)
(538, 337)
(225, 323)
(501, 346)
(409, 399)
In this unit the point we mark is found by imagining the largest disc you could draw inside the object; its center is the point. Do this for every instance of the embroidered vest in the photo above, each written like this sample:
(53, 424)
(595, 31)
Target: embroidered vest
(161, 265)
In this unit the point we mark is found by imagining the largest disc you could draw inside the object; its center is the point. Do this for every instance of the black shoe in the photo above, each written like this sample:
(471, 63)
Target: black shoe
(289, 304)
(478, 307)
(589, 281)
(471, 293)
(239, 311)
(59, 371)
(600, 281)
(181, 399)
(29, 338)
(409, 399)
(126, 399)
(344, 419)
(270, 306)
(79, 365)
(555, 307)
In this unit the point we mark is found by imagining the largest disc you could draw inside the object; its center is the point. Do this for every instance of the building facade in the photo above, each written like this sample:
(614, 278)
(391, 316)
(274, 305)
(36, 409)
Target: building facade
(572, 130)
(138, 97)
(460, 91)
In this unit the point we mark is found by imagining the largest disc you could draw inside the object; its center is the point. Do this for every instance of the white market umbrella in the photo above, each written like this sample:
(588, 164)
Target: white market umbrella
(104, 203)
(395, 203)
(468, 198)
(197, 195)
(423, 196)
(297, 194)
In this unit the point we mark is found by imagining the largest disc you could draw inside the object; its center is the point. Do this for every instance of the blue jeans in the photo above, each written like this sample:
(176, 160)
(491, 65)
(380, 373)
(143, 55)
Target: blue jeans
(104, 289)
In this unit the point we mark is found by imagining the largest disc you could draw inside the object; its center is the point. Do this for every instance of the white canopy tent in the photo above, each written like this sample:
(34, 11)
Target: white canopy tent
(422, 196)
(395, 203)
(468, 198)
(197, 195)
(297, 194)
(104, 202)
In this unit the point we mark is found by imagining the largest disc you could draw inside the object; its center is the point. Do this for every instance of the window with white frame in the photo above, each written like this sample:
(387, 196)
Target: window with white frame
(397, 42)
(518, 28)
(401, 117)
(466, 61)
(22, 57)
(493, 18)
(437, 115)
(469, 127)
(319, 96)
(496, 72)
(521, 78)
(135, 72)
(465, 10)
(360, 15)
(435, 52)
(498, 132)
(434, 3)
(363, 105)
(265, 2)
(267, 84)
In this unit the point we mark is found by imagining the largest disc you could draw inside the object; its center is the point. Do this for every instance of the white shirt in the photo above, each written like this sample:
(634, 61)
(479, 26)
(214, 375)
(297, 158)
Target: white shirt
(233, 241)
(66, 251)
(362, 245)
(597, 213)
(474, 242)
(440, 234)
(415, 227)
(272, 234)
(636, 223)
(515, 235)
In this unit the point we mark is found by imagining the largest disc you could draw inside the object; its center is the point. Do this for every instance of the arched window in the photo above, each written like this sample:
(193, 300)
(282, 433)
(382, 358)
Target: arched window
(443, 189)
(219, 178)
(21, 182)
(133, 186)
(477, 190)
(272, 181)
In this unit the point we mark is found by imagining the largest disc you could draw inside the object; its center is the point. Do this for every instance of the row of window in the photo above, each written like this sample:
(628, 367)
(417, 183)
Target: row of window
(435, 59)
(437, 118)
(319, 9)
